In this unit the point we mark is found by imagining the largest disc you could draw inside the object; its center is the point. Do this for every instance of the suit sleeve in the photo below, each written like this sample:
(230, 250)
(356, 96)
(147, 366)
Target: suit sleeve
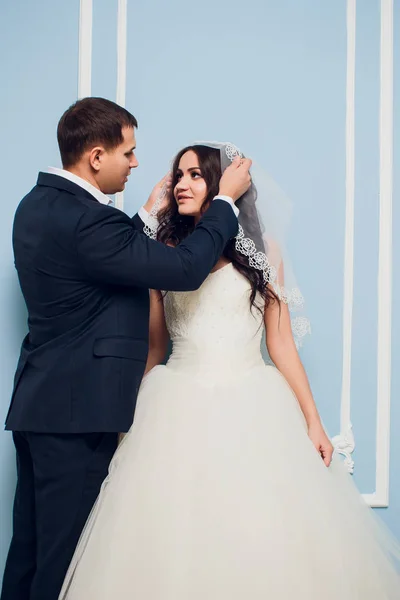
(112, 251)
(137, 222)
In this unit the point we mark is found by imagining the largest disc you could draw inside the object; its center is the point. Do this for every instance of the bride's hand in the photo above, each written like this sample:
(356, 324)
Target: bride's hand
(321, 442)
(165, 181)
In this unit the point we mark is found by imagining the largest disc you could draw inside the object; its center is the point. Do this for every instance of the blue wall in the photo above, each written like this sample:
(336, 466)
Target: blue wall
(269, 76)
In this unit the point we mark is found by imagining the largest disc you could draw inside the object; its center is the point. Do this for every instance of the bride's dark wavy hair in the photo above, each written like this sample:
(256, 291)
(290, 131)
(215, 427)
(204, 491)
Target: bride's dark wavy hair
(174, 228)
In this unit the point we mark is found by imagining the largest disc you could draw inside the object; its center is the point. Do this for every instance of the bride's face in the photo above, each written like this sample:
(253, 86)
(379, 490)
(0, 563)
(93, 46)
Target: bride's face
(191, 188)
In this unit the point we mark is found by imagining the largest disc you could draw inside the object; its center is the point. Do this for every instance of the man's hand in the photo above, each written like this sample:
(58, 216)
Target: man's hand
(165, 182)
(236, 180)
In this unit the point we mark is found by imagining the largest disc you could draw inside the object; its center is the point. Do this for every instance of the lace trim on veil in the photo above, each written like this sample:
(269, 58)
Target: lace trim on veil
(150, 228)
(259, 260)
(293, 298)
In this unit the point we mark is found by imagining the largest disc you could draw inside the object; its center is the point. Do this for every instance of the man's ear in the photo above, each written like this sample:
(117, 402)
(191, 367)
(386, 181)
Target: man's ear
(96, 157)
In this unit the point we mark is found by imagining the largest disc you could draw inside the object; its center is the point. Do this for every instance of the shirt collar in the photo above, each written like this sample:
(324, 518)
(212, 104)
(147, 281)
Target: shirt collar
(94, 191)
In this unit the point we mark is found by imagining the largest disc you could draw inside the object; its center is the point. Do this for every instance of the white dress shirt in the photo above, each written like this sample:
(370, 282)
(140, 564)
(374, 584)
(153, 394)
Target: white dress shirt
(94, 191)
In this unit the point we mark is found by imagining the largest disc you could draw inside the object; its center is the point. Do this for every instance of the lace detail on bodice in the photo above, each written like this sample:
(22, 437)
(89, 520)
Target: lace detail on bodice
(213, 327)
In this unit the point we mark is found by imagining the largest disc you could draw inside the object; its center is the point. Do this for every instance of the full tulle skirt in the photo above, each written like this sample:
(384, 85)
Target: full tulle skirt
(217, 493)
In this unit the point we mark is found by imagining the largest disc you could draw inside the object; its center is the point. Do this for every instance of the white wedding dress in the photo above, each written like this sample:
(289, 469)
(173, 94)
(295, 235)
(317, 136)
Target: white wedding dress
(217, 493)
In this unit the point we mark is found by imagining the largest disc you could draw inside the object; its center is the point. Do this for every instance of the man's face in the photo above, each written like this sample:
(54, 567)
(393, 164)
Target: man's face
(116, 164)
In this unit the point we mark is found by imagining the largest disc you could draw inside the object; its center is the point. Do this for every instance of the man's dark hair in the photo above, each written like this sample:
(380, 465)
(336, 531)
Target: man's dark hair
(90, 122)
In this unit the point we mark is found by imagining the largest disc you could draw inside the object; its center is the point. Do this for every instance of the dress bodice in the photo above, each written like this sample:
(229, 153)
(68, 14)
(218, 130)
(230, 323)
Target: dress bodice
(213, 328)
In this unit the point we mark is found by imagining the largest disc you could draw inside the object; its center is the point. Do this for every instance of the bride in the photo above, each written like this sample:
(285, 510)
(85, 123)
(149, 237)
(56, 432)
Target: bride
(225, 487)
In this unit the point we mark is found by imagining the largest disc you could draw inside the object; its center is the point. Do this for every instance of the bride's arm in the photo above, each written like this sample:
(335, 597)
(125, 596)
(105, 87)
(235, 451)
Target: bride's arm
(158, 333)
(283, 352)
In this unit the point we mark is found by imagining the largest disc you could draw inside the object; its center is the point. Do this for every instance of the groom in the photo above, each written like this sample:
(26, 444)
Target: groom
(85, 269)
